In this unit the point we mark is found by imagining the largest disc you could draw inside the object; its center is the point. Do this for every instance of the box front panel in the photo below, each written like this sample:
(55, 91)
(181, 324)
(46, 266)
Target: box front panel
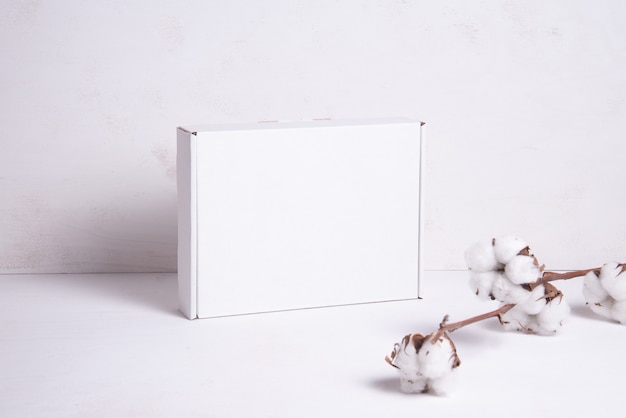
(297, 218)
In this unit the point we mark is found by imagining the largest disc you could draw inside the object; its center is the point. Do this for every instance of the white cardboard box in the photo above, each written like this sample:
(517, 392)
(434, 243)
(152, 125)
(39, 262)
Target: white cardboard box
(291, 215)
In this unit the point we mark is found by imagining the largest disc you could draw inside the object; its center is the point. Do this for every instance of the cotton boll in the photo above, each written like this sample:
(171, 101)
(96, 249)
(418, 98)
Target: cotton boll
(613, 280)
(404, 359)
(480, 257)
(604, 307)
(444, 384)
(404, 355)
(552, 317)
(422, 365)
(507, 292)
(438, 362)
(593, 291)
(522, 269)
(618, 311)
(535, 301)
(515, 319)
(610, 271)
(482, 282)
(438, 359)
(542, 313)
(506, 248)
(618, 287)
(532, 326)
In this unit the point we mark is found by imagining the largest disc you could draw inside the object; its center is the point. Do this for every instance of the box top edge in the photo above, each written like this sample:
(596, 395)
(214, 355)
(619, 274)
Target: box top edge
(199, 128)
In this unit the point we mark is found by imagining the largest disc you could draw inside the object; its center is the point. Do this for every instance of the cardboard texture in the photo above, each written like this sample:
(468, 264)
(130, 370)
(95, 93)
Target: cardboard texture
(291, 215)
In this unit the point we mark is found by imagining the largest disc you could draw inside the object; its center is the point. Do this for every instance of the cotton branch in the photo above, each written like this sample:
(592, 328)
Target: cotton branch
(445, 327)
(547, 276)
(551, 276)
(504, 269)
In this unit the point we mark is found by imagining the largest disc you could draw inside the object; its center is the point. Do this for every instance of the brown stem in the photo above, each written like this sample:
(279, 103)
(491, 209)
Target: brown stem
(444, 327)
(550, 276)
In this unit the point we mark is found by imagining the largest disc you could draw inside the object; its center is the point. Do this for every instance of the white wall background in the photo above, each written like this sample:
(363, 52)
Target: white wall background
(525, 103)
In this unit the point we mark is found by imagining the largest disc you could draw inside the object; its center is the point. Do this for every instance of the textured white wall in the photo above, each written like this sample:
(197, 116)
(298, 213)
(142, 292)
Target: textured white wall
(524, 103)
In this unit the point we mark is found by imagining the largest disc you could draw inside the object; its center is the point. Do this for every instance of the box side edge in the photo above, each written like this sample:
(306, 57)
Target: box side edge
(420, 221)
(186, 263)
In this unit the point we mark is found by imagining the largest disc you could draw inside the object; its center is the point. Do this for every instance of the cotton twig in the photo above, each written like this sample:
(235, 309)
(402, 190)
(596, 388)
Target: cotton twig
(445, 327)
(551, 276)
(505, 269)
(548, 276)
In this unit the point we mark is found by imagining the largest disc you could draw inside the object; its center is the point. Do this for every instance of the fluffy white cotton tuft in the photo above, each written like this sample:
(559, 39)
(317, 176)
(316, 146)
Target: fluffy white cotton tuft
(506, 248)
(404, 359)
(552, 317)
(515, 320)
(613, 280)
(424, 366)
(603, 307)
(549, 320)
(436, 359)
(507, 292)
(534, 302)
(522, 269)
(610, 271)
(443, 385)
(482, 282)
(618, 311)
(415, 384)
(497, 269)
(592, 288)
(480, 257)
(605, 293)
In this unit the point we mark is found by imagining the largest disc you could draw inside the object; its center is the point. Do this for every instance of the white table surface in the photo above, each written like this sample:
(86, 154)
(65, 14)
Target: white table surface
(115, 346)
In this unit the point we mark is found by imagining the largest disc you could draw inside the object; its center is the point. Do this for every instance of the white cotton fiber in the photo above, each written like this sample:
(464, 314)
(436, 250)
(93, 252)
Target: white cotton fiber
(444, 384)
(552, 317)
(618, 311)
(405, 356)
(436, 360)
(480, 257)
(610, 270)
(593, 291)
(604, 307)
(613, 280)
(506, 248)
(537, 315)
(606, 293)
(482, 282)
(412, 384)
(535, 301)
(507, 292)
(522, 269)
(515, 320)
(404, 359)
(424, 366)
